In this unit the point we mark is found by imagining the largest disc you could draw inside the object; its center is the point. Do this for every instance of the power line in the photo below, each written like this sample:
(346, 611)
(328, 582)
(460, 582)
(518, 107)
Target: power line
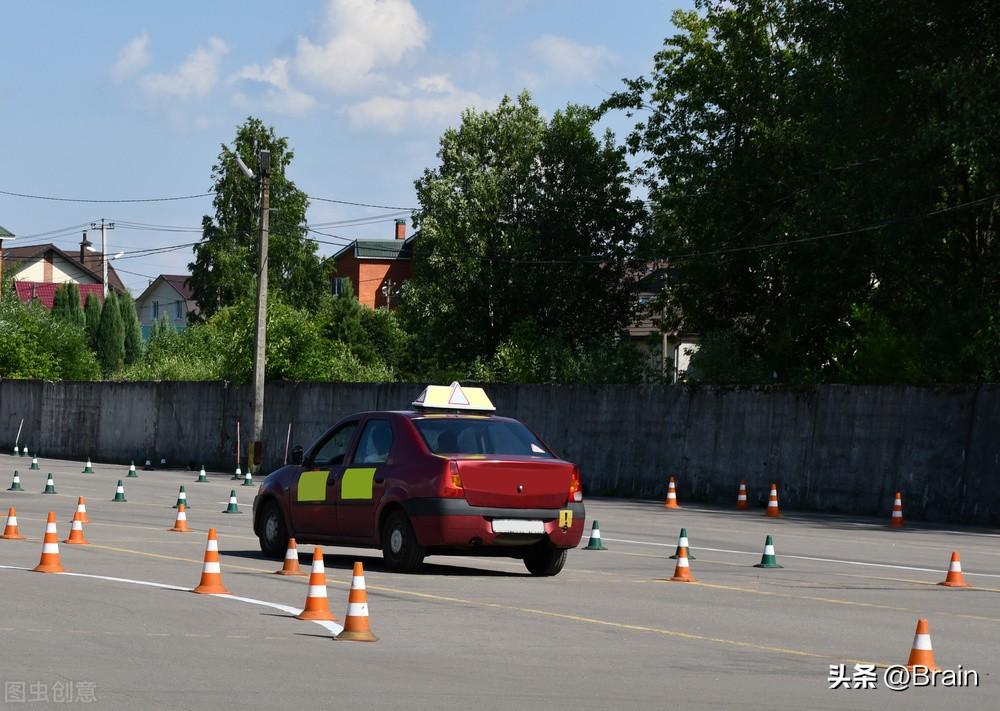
(363, 204)
(94, 200)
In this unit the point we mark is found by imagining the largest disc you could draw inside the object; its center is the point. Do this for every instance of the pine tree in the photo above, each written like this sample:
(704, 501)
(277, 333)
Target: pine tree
(130, 325)
(111, 337)
(92, 318)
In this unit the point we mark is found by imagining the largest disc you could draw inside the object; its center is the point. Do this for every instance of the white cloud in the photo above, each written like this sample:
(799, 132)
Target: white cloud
(197, 75)
(277, 93)
(563, 59)
(436, 101)
(132, 59)
(360, 38)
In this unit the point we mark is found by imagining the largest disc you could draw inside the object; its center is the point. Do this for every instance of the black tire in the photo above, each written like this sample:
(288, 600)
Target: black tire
(273, 534)
(400, 548)
(543, 561)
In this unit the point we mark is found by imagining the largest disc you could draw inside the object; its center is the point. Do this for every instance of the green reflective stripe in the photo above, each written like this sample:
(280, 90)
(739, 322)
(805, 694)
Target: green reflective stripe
(357, 484)
(312, 486)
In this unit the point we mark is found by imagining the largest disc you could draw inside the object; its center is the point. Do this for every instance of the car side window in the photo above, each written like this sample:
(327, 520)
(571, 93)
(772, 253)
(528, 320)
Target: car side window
(332, 452)
(375, 443)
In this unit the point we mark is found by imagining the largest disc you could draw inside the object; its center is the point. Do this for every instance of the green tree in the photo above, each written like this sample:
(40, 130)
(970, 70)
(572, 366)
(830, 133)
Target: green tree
(66, 304)
(811, 167)
(522, 219)
(226, 260)
(111, 337)
(92, 318)
(131, 328)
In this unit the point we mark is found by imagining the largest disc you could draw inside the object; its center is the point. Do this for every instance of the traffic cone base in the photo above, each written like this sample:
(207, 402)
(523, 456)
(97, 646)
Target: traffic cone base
(233, 507)
(16, 483)
(76, 536)
(356, 627)
(768, 559)
(772, 510)
(50, 486)
(181, 498)
(202, 477)
(34, 464)
(88, 469)
(119, 493)
(682, 542)
(317, 606)
(181, 524)
(922, 653)
(682, 571)
(954, 579)
(248, 479)
(595, 543)
(211, 572)
(11, 532)
(671, 501)
(50, 561)
(291, 564)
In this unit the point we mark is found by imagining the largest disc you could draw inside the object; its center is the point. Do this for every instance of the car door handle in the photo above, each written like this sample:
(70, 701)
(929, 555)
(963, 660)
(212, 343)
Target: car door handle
(379, 479)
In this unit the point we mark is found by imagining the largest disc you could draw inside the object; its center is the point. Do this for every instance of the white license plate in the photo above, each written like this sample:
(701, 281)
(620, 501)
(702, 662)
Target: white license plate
(510, 525)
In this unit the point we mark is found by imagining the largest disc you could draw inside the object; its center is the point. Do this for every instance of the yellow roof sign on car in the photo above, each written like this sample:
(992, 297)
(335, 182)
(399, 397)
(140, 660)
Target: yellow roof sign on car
(454, 397)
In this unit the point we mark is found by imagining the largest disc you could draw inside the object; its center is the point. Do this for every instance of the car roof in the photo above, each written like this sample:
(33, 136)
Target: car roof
(415, 414)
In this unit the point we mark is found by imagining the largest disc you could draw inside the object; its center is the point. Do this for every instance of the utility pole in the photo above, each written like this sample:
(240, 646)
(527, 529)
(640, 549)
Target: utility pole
(260, 334)
(105, 226)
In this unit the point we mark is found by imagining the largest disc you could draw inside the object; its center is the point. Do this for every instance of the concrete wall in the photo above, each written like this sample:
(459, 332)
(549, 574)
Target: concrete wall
(830, 448)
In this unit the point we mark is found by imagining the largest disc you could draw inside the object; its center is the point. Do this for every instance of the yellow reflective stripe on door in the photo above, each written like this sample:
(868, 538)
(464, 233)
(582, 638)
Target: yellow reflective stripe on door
(357, 484)
(312, 486)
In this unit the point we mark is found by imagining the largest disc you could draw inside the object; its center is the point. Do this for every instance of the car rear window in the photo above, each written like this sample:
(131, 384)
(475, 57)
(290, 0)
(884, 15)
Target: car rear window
(470, 436)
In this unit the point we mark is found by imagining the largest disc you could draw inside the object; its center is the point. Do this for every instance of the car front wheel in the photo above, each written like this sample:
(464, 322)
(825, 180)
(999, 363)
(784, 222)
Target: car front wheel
(273, 535)
(543, 561)
(400, 548)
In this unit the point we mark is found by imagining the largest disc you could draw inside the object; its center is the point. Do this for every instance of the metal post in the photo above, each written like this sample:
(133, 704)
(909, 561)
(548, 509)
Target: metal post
(260, 334)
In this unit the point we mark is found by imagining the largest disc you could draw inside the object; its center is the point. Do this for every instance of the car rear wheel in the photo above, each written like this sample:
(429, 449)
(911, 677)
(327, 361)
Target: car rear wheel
(544, 561)
(400, 548)
(273, 535)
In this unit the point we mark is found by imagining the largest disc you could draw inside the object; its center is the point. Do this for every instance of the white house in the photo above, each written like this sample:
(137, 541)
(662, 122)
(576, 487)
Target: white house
(168, 295)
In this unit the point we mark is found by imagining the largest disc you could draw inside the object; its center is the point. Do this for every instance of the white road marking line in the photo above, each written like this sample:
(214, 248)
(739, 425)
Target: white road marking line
(799, 557)
(333, 627)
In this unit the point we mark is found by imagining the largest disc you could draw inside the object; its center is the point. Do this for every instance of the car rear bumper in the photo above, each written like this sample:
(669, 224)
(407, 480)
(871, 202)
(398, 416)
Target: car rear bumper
(456, 524)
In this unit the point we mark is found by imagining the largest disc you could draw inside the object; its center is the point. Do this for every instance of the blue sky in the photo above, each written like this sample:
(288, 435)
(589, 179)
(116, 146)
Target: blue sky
(123, 99)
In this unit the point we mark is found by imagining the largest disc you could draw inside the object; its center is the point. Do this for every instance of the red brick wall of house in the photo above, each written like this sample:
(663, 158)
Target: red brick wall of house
(369, 275)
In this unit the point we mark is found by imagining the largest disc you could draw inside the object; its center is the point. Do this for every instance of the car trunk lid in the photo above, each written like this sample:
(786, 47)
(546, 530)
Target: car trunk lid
(515, 482)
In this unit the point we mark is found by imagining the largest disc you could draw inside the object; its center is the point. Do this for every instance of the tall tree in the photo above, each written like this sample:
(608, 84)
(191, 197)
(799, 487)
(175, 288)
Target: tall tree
(111, 337)
(66, 305)
(131, 328)
(92, 318)
(827, 185)
(226, 260)
(523, 220)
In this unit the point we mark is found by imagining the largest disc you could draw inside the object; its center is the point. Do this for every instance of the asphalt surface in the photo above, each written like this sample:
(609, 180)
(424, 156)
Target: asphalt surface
(610, 632)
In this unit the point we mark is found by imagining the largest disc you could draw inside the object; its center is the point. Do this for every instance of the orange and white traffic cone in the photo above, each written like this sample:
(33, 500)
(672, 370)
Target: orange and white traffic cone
(356, 623)
(671, 502)
(922, 653)
(291, 564)
(317, 606)
(50, 562)
(76, 532)
(211, 573)
(954, 579)
(11, 532)
(772, 503)
(682, 571)
(896, 521)
(81, 508)
(181, 523)
(741, 497)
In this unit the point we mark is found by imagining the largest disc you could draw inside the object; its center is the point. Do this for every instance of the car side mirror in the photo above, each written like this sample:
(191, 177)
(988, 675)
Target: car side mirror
(297, 454)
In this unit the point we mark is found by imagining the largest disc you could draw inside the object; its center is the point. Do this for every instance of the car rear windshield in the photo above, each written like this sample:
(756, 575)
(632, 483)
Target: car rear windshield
(484, 436)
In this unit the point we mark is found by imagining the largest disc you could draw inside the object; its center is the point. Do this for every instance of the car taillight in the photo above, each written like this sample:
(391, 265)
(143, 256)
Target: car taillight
(453, 482)
(575, 488)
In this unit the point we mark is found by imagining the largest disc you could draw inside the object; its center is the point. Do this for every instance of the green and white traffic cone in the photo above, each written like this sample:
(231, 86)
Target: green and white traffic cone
(182, 499)
(50, 485)
(89, 469)
(148, 466)
(17, 452)
(202, 477)
(163, 463)
(248, 478)
(119, 492)
(595, 543)
(238, 474)
(682, 542)
(132, 473)
(232, 508)
(768, 560)
(34, 463)
(16, 485)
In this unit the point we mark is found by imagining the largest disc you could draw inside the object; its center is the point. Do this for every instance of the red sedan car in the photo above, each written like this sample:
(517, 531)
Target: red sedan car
(445, 478)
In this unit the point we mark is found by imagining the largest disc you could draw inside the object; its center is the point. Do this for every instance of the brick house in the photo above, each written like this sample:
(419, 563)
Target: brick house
(376, 268)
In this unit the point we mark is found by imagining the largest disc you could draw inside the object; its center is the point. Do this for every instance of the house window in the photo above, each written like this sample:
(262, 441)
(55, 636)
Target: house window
(156, 309)
(338, 286)
(179, 303)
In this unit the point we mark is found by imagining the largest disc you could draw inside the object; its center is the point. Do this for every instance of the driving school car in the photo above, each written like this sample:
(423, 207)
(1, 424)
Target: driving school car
(448, 477)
